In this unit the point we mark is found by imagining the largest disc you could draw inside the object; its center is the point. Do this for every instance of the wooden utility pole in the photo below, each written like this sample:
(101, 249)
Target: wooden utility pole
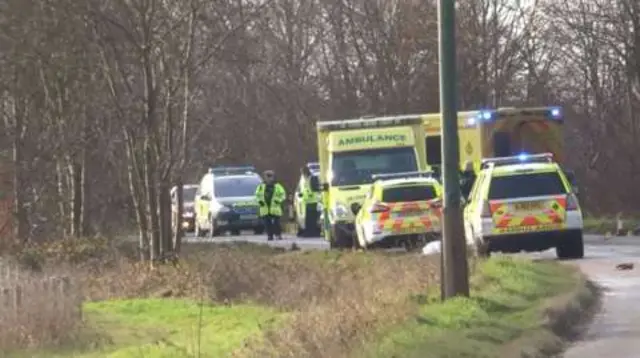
(455, 269)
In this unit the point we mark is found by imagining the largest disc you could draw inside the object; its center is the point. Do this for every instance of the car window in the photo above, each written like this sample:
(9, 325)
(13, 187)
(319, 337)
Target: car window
(408, 193)
(189, 193)
(227, 187)
(526, 185)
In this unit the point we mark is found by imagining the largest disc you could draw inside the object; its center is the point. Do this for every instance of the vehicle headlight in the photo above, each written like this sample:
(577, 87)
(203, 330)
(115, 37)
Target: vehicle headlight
(340, 211)
(224, 209)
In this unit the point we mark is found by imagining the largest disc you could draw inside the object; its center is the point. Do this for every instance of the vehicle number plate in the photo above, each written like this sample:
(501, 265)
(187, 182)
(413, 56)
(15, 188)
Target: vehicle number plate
(528, 206)
(248, 217)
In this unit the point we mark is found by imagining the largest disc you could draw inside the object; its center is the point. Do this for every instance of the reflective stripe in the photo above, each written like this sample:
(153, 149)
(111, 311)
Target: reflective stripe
(553, 213)
(428, 220)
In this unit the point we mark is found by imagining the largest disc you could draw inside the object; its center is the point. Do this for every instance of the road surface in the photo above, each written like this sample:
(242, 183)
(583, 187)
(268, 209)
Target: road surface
(615, 330)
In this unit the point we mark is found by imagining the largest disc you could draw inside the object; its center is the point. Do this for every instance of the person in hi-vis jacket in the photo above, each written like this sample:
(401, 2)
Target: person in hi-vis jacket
(271, 196)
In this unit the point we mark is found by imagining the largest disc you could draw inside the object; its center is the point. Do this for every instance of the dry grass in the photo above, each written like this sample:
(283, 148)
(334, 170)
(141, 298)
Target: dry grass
(338, 299)
(37, 310)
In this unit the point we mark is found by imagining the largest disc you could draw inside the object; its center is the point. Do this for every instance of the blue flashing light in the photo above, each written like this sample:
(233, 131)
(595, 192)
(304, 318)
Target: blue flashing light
(523, 157)
(556, 112)
(486, 115)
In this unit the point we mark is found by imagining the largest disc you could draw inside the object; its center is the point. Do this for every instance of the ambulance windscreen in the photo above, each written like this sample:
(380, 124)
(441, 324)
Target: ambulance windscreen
(408, 193)
(357, 167)
(526, 185)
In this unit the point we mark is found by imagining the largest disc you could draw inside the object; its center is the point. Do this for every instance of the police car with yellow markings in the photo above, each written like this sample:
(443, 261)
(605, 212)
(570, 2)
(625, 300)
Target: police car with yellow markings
(400, 210)
(524, 203)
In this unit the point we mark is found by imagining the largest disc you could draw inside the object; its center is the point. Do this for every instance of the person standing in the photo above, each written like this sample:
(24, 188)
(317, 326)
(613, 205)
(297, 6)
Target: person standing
(467, 179)
(311, 206)
(271, 195)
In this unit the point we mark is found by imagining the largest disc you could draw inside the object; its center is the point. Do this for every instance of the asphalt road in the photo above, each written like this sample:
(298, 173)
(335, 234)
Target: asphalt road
(615, 330)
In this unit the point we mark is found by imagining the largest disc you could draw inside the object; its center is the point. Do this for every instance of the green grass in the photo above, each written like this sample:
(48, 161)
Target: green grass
(166, 328)
(507, 302)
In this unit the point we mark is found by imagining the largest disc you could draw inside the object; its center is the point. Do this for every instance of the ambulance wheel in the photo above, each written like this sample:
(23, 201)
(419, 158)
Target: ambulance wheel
(340, 240)
(481, 249)
(571, 246)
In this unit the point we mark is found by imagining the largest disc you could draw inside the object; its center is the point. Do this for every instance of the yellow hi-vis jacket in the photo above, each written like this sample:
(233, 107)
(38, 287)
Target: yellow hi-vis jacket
(309, 196)
(274, 207)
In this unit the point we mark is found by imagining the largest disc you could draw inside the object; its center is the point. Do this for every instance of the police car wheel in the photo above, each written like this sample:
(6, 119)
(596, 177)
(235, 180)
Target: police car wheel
(571, 246)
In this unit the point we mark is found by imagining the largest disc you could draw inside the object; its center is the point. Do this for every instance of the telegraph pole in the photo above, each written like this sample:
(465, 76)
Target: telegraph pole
(454, 270)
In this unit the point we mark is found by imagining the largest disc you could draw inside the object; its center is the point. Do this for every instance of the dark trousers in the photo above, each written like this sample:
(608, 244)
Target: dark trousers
(311, 220)
(272, 226)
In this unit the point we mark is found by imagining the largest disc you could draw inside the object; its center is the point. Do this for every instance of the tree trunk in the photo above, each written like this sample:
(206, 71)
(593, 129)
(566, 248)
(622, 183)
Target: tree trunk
(164, 210)
(21, 229)
(138, 198)
(179, 232)
(62, 195)
(76, 199)
(152, 201)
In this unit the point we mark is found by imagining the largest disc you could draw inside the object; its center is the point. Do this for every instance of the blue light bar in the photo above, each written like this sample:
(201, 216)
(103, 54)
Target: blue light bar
(523, 157)
(386, 176)
(233, 170)
(519, 159)
(313, 166)
(555, 112)
(486, 115)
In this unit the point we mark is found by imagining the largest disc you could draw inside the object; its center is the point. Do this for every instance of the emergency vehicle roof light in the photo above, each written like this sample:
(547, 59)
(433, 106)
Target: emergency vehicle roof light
(233, 170)
(417, 174)
(519, 159)
(313, 166)
(366, 123)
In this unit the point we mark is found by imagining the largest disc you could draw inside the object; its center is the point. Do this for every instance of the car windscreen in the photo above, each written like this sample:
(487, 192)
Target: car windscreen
(408, 193)
(189, 194)
(356, 167)
(235, 186)
(526, 185)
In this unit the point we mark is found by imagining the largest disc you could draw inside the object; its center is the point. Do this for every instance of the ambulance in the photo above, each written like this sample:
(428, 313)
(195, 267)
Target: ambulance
(350, 152)
(502, 132)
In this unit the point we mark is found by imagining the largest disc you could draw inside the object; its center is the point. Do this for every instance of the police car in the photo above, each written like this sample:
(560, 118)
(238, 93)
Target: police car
(524, 203)
(225, 201)
(300, 202)
(400, 210)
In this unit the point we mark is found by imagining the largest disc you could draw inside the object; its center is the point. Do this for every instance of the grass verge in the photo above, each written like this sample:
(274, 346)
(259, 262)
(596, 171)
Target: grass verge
(517, 308)
(158, 328)
(609, 225)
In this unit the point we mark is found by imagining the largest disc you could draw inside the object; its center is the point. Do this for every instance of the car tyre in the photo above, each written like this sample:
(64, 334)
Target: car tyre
(212, 228)
(571, 246)
(341, 241)
(235, 232)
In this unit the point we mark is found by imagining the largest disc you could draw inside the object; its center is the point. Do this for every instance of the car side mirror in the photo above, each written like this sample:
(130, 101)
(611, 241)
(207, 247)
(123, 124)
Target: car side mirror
(205, 197)
(299, 195)
(355, 208)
